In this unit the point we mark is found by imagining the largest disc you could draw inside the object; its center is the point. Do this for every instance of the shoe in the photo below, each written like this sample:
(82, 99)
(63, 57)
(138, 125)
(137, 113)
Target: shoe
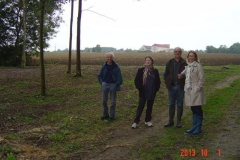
(169, 124)
(194, 124)
(134, 125)
(178, 125)
(111, 118)
(104, 117)
(149, 124)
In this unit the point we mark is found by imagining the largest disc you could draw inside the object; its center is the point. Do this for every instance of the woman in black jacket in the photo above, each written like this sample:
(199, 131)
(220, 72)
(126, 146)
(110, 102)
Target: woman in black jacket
(147, 81)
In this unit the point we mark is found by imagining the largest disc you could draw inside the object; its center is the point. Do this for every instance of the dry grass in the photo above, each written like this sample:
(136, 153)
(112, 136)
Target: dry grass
(136, 59)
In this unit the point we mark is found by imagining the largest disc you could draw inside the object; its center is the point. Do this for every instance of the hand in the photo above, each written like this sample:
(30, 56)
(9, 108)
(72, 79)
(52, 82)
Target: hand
(197, 89)
(179, 76)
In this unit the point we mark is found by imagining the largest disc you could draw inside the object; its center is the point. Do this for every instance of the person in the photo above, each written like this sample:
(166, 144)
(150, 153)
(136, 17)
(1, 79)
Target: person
(147, 81)
(194, 94)
(110, 79)
(175, 84)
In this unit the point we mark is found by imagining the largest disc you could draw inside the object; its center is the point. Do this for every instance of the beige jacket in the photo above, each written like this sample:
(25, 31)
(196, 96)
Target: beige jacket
(194, 96)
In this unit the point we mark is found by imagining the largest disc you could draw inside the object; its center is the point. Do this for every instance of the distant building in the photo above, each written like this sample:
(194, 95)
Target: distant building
(145, 48)
(155, 48)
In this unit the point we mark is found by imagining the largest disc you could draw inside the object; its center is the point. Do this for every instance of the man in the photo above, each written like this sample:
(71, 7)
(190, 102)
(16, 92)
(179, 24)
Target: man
(110, 79)
(175, 84)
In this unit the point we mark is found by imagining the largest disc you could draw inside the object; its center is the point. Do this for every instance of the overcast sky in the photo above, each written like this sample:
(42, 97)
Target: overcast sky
(190, 24)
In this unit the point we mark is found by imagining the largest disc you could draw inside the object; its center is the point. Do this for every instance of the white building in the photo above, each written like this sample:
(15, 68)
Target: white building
(156, 48)
(145, 48)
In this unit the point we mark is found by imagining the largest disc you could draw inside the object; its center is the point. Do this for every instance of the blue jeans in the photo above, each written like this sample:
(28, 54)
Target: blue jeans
(175, 96)
(106, 89)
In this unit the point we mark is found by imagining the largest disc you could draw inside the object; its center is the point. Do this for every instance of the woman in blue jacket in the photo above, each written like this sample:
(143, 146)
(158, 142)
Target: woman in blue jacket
(110, 79)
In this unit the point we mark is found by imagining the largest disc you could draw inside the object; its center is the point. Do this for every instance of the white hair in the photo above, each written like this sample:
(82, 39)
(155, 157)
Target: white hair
(109, 53)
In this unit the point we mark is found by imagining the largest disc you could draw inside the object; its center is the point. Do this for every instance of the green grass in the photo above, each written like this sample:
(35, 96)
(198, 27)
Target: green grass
(73, 107)
(170, 144)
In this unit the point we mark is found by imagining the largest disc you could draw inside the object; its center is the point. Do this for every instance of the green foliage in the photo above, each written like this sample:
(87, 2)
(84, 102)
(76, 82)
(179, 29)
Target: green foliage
(11, 21)
(97, 48)
(235, 48)
(10, 156)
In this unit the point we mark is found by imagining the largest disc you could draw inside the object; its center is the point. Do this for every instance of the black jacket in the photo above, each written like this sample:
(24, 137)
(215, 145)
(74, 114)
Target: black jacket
(168, 75)
(138, 81)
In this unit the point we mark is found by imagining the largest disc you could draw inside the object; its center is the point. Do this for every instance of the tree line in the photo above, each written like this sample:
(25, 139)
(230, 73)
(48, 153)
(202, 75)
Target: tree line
(20, 27)
(235, 48)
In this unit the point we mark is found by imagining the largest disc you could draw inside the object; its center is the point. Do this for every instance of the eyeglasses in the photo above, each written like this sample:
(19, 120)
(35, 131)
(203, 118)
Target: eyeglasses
(177, 51)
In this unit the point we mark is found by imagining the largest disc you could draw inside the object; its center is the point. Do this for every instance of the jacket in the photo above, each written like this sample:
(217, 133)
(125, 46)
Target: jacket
(138, 81)
(116, 75)
(168, 73)
(194, 96)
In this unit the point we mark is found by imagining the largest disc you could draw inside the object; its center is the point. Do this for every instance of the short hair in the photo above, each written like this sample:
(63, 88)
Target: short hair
(178, 48)
(195, 55)
(109, 53)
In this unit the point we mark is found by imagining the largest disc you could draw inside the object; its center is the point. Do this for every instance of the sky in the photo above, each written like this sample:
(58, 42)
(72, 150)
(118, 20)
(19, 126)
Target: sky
(189, 24)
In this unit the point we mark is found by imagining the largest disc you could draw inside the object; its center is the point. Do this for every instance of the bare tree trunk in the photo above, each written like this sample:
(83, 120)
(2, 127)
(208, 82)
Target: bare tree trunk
(70, 39)
(23, 61)
(78, 61)
(43, 87)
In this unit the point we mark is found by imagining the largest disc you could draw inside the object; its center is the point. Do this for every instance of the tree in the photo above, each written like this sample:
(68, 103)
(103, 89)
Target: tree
(98, 48)
(78, 61)
(23, 61)
(235, 48)
(43, 87)
(70, 38)
(211, 49)
(222, 49)
(11, 25)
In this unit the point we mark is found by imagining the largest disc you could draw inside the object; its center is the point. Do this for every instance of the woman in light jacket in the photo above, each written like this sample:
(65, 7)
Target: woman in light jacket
(194, 94)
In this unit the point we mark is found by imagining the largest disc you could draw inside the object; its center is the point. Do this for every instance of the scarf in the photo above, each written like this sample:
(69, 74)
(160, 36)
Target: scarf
(188, 75)
(146, 72)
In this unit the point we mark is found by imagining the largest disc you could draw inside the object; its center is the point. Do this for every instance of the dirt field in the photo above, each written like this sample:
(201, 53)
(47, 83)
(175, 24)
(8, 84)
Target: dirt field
(135, 59)
(66, 123)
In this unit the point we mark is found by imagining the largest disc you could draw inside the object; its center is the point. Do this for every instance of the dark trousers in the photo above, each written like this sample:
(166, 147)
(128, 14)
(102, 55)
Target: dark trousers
(197, 110)
(142, 102)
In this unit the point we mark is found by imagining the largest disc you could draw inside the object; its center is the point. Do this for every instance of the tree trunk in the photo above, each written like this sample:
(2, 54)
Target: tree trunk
(78, 61)
(23, 61)
(70, 39)
(43, 87)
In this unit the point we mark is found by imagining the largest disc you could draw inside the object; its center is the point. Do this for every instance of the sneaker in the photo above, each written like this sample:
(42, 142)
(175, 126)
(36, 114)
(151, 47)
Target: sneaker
(134, 125)
(149, 124)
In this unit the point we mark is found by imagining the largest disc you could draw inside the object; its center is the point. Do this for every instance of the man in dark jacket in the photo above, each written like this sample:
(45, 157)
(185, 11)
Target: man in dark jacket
(175, 84)
(110, 79)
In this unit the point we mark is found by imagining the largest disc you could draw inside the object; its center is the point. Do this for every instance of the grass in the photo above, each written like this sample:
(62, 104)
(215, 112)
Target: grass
(72, 110)
(214, 111)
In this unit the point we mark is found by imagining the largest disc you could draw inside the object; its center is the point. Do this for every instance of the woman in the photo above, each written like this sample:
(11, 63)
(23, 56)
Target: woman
(194, 94)
(147, 81)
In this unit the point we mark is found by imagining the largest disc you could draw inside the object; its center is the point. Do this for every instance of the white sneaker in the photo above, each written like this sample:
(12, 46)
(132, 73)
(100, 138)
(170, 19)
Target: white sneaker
(134, 125)
(149, 124)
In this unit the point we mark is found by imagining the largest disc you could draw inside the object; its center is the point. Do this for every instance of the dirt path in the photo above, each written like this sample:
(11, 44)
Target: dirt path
(227, 143)
(118, 145)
